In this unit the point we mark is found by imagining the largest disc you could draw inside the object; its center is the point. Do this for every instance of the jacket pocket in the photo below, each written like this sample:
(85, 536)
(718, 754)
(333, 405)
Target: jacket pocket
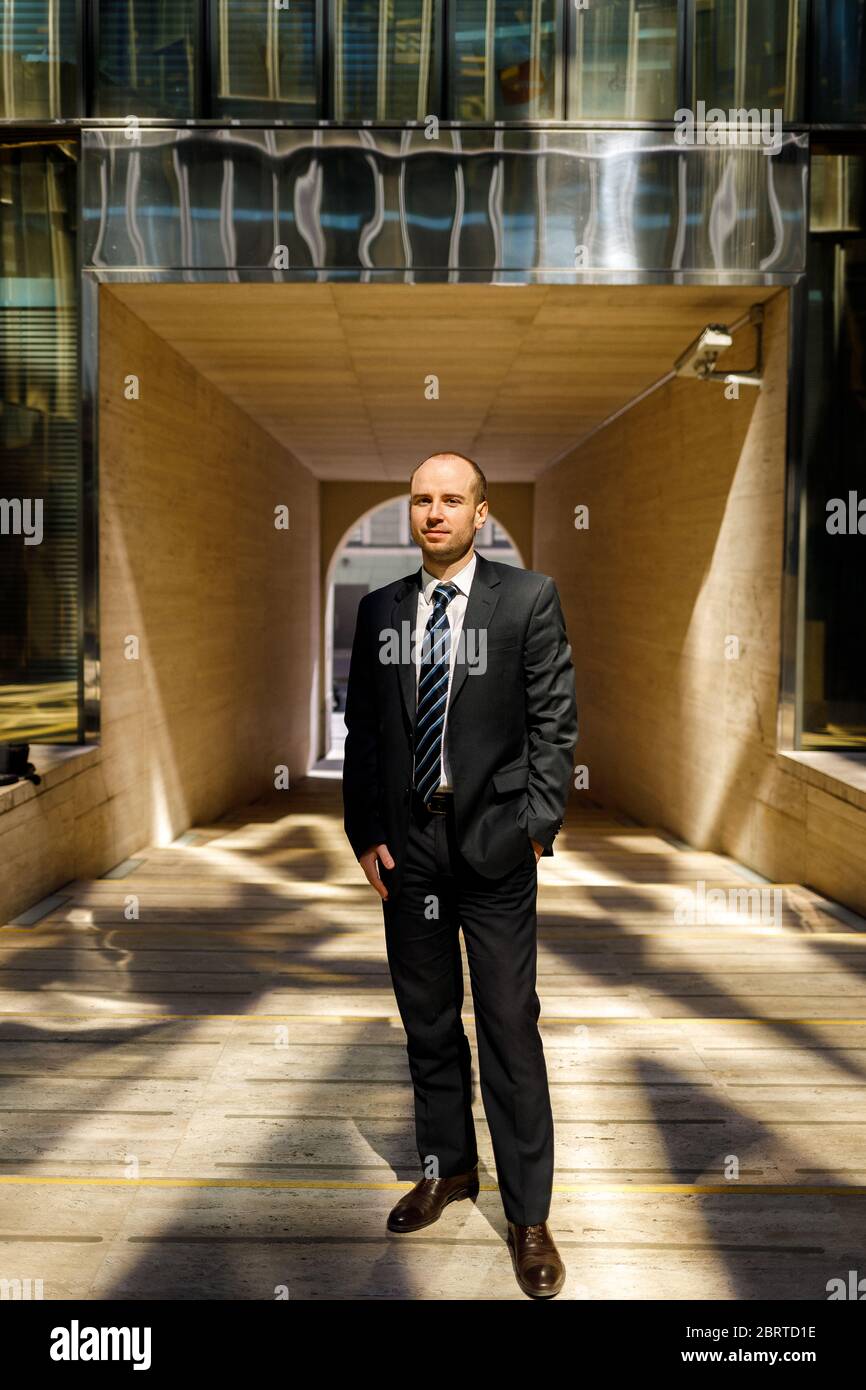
(511, 778)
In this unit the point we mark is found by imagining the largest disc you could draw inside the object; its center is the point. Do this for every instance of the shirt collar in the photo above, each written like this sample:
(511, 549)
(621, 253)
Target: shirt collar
(462, 579)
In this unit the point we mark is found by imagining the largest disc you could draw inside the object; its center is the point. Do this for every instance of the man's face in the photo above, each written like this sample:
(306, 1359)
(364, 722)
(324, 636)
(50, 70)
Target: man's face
(443, 513)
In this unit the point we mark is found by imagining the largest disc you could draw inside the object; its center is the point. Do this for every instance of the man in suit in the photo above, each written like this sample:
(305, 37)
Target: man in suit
(461, 724)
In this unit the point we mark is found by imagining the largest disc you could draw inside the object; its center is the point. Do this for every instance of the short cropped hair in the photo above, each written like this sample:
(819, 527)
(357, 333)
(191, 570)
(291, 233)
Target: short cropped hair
(480, 480)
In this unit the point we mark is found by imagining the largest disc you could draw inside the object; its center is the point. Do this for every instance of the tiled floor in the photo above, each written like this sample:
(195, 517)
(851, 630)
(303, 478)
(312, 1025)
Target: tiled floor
(205, 1092)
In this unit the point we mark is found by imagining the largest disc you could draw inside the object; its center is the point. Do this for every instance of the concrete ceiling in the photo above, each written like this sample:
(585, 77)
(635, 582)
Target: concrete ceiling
(337, 373)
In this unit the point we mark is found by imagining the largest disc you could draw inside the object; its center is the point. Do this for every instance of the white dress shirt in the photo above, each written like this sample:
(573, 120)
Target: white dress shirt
(454, 613)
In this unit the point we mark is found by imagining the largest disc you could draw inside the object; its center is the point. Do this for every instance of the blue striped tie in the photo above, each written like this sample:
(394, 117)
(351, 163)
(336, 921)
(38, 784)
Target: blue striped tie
(433, 693)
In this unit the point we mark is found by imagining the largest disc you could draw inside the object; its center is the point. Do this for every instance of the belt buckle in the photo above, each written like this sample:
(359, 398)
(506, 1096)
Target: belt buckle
(438, 804)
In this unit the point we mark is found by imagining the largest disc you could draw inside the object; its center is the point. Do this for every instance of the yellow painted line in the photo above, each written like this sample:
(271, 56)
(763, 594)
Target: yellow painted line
(395, 1018)
(581, 935)
(281, 1184)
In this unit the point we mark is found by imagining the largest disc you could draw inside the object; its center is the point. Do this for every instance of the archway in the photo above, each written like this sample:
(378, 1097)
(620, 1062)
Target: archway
(375, 551)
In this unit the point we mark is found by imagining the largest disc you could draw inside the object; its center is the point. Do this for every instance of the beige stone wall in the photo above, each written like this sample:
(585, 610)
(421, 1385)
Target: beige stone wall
(684, 550)
(225, 609)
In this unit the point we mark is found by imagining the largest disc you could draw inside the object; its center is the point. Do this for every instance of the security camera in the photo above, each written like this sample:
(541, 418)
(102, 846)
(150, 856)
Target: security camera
(700, 357)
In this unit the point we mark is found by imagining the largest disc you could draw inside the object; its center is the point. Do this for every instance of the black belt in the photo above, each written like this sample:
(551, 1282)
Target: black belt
(440, 803)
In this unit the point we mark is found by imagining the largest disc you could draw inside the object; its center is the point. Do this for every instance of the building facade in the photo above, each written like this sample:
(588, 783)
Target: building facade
(425, 142)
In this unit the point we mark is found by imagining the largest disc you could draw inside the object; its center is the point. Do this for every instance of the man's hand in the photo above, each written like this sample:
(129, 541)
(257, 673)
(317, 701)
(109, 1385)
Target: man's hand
(539, 849)
(368, 863)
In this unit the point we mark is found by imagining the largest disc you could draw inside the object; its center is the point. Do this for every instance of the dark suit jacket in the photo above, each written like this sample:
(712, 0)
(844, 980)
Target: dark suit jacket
(510, 731)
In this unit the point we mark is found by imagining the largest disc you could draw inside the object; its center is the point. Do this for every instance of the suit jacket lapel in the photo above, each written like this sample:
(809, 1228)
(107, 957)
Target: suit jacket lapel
(483, 598)
(405, 610)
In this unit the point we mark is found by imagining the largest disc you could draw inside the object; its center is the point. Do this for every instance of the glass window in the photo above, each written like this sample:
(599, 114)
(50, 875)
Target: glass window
(746, 54)
(386, 524)
(832, 674)
(624, 61)
(838, 60)
(38, 60)
(146, 58)
(266, 59)
(505, 60)
(40, 514)
(384, 52)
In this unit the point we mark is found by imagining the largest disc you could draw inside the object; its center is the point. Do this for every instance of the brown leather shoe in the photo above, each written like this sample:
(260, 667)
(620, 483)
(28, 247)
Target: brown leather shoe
(536, 1260)
(423, 1205)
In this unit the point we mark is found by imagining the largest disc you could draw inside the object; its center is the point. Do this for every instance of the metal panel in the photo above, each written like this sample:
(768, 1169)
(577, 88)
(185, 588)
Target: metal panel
(579, 206)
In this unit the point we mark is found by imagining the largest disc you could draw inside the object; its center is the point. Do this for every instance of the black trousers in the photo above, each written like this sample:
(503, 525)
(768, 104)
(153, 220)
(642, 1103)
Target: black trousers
(439, 894)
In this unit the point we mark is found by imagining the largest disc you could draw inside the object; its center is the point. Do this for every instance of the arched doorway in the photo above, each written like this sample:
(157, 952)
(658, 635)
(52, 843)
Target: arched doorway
(375, 551)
